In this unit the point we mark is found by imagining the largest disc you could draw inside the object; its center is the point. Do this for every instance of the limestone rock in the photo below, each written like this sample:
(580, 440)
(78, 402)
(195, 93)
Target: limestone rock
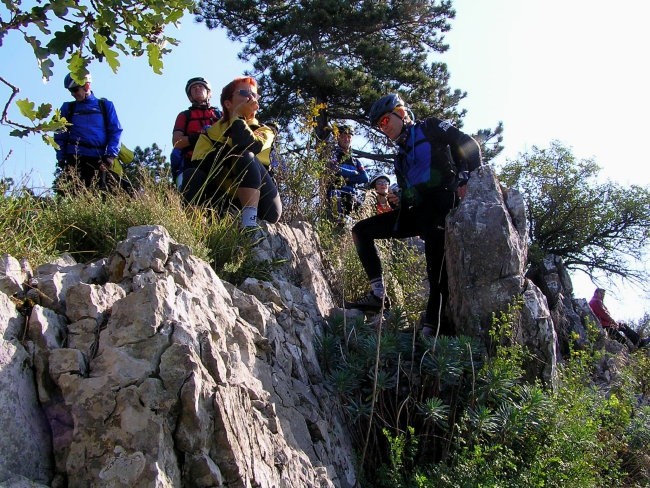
(160, 374)
(26, 448)
(486, 253)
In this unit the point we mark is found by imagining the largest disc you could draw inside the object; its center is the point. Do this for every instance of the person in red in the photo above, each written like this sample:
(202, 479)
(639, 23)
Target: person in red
(190, 124)
(599, 309)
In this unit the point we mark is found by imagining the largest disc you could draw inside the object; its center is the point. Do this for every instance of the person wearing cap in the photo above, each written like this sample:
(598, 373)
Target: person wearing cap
(432, 165)
(382, 198)
(597, 305)
(347, 172)
(91, 143)
(191, 123)
(231, 160)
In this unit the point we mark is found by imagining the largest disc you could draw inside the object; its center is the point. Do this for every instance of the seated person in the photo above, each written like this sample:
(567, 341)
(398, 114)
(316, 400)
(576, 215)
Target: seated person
(191, 123)
(348, 172)
(231, 159)
(599, 309)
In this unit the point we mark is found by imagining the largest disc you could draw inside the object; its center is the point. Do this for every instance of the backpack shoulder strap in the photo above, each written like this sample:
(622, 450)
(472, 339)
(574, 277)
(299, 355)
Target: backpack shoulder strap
(429, 132)
(102, 107)
(188, 119)
(71, 106)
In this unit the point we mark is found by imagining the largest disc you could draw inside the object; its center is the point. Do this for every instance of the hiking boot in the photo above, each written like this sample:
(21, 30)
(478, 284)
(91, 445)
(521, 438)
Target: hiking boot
(369, 303)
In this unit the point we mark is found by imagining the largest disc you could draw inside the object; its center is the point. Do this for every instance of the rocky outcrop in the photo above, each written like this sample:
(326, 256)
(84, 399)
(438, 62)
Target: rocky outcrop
(26, 447)
(151, 371)
(486, 244)
(145, 369)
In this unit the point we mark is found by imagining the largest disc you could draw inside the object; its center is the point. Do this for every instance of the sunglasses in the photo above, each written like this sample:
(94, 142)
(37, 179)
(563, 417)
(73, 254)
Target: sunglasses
(75, 89)
(249, 94)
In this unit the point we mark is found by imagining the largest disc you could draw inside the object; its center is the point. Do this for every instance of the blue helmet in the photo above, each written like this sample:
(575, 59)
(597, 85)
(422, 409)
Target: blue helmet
(385, 104)
(69, 83)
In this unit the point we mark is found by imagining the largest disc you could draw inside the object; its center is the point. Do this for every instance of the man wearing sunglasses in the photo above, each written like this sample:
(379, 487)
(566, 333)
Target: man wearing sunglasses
(91, 143)
(432, 166)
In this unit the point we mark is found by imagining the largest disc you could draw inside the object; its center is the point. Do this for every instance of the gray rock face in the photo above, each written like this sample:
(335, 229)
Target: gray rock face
(26, 448)
(486, 253)
(486, 244)
(167, 376)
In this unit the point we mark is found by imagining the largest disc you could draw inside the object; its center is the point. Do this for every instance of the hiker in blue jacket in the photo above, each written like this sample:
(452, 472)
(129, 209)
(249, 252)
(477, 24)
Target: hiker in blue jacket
(432, 166)
(90, 145)
(347, 172)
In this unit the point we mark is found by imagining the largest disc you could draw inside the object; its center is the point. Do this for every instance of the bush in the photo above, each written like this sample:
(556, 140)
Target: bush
(454, 414)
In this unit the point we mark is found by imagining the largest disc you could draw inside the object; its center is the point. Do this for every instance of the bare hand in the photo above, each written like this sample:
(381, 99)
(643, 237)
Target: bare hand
(393, 198)
(461, 191)
(246, 109)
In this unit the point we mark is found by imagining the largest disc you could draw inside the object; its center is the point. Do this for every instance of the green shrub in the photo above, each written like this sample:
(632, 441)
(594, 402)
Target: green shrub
(451, 413)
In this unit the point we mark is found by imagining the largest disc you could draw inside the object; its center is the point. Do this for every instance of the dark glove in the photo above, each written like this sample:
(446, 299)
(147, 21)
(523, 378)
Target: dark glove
(107, 162)
(192, 138)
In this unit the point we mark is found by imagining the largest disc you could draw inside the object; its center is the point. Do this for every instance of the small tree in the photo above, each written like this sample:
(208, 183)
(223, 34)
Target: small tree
(590, 225)
(81, 32)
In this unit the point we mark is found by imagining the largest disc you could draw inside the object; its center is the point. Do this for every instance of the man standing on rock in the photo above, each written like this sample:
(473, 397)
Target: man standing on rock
(432, 167)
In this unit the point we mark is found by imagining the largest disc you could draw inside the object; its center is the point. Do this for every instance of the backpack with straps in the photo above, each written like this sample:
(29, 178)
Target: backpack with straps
(431, 169)
(179, 157)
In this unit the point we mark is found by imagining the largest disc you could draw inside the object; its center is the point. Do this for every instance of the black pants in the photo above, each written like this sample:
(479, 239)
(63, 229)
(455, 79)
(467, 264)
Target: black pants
(202, 186)
(427, 220)
(627, 331)
(87, 169)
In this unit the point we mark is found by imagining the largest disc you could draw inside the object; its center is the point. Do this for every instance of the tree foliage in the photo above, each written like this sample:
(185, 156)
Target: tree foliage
(81, 32)
(150, 161)
(590, 224)
(342, 54)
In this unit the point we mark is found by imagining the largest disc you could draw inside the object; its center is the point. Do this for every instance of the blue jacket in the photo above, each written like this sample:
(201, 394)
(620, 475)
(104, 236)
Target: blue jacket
(349, 169)
(432, 153)
(92, 133)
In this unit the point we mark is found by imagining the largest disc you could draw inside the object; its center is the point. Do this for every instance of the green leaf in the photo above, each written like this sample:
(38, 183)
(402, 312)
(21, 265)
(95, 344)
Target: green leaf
(65, 39)
(59, 7)
(45, 65)
(155, 58)
(26, 108)
(100, 43)
(49, 140)
(111, 59)
(20, 133)
(78, 67)
(44, 110)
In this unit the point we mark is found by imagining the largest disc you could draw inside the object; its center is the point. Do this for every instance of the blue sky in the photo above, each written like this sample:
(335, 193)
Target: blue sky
(575, 71)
